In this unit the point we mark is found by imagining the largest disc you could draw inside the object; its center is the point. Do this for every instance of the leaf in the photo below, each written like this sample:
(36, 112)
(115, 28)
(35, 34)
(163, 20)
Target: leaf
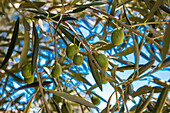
(14, 76)
(165, 63)
(12, 44)
(166, 42)
(95, 72)
(106, 47)
(27, 108)
(145, 104)
(69, 35)
(35, 84)
(26, 43)
(80, 9)
(29, 4)
(142, 69)
(72, 98)
(74, 2)
(160, 82)
(35, 50)
(161, 101)
(126, 51)
(142, 90)
(90, 4)
(154, 9)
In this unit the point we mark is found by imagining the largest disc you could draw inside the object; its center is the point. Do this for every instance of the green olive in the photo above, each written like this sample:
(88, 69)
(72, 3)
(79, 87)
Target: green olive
(78, 59)
(117, 36)
(71, 50)
(27, 71)
(95, 100)
(64, 109)
(29, 80)
(56, 71)
(102, 61)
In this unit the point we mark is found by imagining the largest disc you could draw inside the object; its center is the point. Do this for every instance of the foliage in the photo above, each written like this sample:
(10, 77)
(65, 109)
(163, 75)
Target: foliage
(38, 32)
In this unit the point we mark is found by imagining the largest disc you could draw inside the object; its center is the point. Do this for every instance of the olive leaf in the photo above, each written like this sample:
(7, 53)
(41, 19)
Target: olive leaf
(72, 98)
(35, 49)
(12, 44)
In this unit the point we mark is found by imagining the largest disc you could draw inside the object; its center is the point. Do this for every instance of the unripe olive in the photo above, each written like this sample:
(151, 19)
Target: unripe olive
(78, 59)
(57, 98)
(56, 71)
(117, 36)
(102, 61)
(64, 109)
(71, 50)
(95, 100)
(29, 80)
(27, 71)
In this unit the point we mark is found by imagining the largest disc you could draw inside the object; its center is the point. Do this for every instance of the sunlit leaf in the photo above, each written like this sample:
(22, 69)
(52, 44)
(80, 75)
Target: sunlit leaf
(126, 51)
(142, 90)
(26, 42)
(30, 4)
(166, 42)
(72, 98)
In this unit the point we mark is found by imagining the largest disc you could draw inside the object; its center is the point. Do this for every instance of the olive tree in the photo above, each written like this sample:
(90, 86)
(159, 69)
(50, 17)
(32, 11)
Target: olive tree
(49, 49)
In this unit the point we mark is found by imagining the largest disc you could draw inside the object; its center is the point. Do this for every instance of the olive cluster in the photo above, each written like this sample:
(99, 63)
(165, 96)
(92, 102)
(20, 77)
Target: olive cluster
(72, 52)
(27, 73)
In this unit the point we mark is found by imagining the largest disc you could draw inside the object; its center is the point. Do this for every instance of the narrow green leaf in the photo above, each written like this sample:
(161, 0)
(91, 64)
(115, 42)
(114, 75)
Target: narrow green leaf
(27, 108)
(90, 4)
(72, 98)
(154, 9)
(26, 42)
(145, 104)
(142, 90)
(142, 69)
(166, 42)
(106, 47)
(161, 101)
(74, 2)
(28, 4)
(33, 85)
(80, 9)
(35, 49)
(126, 51)
(160, 82)
(15, 77)
(69, 35)
(165, 63)
(12, 44)
(95, 72)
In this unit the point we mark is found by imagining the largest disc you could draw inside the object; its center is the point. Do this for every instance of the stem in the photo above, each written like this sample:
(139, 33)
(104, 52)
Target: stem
(54, 40)
(41, 89)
